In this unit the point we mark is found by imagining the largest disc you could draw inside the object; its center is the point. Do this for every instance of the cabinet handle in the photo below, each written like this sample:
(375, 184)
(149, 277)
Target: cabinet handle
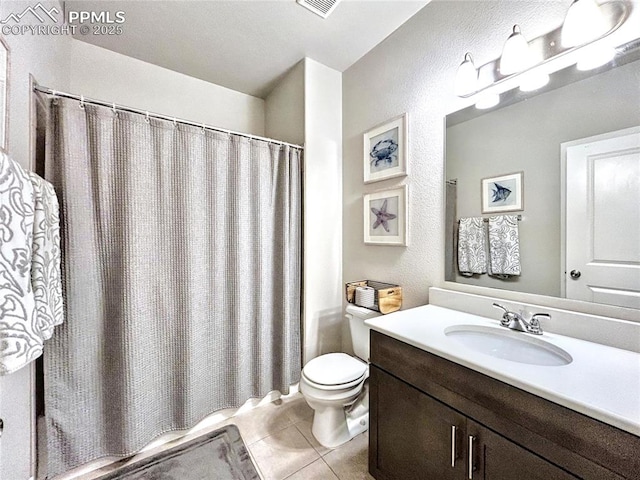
(472, 439)
(454, 430)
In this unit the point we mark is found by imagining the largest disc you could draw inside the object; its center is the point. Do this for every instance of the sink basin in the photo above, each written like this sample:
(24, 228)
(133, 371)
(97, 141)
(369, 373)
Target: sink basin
(508, 345)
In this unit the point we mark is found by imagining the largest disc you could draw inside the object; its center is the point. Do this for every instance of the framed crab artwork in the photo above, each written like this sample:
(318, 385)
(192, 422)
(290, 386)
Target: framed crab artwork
(503, 193)
(385, 217)
(385, 150)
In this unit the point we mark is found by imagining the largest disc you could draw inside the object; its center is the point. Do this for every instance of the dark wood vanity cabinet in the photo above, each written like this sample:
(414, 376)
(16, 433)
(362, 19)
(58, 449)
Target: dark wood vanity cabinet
(424, 410)
(414, 432)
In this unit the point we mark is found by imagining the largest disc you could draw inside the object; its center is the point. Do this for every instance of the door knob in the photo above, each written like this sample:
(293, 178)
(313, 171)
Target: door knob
(575, 274)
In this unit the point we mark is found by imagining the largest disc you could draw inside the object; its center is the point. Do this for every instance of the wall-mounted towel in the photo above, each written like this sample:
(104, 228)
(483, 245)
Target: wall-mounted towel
(472, 246)
(30, 291)
(45, 261)
(504, 246)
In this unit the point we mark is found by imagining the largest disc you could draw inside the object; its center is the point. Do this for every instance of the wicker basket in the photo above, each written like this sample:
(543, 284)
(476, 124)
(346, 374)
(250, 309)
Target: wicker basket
(388, 296)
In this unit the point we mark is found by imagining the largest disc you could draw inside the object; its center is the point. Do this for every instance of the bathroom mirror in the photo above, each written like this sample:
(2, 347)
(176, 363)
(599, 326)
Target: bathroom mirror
(4, 94)
(534, 133)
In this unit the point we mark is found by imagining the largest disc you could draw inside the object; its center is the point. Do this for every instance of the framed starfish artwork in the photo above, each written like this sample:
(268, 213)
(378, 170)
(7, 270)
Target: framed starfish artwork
(385, 217)
(385, 150)
(504, 193)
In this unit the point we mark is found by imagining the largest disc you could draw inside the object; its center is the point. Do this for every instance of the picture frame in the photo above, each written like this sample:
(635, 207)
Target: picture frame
(385, 150)
(385, 217)
(503, 193)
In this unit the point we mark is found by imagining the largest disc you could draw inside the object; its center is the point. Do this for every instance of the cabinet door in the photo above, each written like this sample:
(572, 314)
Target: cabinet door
(496, 458)
(414, 437)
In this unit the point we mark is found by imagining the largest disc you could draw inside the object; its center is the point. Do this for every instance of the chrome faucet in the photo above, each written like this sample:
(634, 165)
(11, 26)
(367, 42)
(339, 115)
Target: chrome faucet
(515, 321)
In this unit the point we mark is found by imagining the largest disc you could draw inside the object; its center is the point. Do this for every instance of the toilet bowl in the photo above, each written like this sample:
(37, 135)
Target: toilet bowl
(335, 386)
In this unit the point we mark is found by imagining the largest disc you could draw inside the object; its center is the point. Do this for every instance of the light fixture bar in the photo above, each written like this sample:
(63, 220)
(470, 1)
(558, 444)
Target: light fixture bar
(547, 47)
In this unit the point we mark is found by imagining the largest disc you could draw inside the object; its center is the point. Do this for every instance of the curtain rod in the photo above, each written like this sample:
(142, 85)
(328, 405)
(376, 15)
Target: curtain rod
(123, 108)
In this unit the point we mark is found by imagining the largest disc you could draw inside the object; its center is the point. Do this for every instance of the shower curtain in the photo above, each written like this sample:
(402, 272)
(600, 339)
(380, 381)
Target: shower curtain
(181, 273)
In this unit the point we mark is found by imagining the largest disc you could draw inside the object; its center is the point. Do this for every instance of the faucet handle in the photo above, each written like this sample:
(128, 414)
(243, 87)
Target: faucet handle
(497, 305)
(506, 316)
(534, 323)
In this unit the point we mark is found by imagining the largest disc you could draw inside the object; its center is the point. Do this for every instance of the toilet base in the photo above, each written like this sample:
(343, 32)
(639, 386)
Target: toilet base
(334, 426)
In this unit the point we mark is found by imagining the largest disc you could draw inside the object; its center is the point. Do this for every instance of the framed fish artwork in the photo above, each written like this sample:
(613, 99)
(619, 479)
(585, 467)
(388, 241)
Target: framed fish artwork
(504, 193)
(385, 217)
(385, 150)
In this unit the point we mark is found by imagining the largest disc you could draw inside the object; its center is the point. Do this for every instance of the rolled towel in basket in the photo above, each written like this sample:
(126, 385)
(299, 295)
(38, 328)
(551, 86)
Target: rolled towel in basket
(365, 297)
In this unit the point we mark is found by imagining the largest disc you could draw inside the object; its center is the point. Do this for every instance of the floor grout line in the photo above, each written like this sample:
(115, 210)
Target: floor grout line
(305, 439)
(332, 470)
(291, 475)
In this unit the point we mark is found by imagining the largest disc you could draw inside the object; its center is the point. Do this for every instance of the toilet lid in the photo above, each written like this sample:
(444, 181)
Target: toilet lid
(334, 369)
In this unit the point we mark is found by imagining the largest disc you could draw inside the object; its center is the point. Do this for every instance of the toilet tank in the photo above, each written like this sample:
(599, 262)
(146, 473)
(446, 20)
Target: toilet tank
(359, 331)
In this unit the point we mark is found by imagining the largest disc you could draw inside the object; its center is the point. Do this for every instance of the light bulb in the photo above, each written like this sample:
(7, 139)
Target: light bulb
(533, 81)
(466, 77)
(583, 24)
(487, 100)
(516, 55)
(594, 56)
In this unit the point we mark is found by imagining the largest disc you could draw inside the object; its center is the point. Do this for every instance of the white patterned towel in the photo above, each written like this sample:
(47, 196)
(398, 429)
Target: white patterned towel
(504, 246)
(20, 341)
(45, 261)
(472, 246)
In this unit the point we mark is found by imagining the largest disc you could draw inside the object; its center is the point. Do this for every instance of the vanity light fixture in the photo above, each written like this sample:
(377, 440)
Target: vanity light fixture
(517, 57)
(583, 39)
(516, 54)
(466, 77)
(583, 23)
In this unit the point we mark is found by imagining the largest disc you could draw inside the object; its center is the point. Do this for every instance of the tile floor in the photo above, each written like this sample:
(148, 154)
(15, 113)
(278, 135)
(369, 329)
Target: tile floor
(279, 439)
(278, 436)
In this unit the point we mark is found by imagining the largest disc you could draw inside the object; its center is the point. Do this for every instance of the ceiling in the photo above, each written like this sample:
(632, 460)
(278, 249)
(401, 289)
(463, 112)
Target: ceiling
(246, 45)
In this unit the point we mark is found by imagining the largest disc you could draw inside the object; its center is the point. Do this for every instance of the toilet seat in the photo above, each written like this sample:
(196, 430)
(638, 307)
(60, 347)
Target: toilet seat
(334, 370)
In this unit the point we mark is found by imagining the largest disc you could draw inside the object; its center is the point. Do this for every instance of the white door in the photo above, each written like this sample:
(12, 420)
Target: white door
(603, 219)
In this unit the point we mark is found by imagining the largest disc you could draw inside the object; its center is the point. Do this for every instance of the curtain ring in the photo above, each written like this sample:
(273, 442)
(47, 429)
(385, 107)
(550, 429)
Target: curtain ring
(146, 117)
(81, 102)
(204, 128)
(175, 122)
(113, 108)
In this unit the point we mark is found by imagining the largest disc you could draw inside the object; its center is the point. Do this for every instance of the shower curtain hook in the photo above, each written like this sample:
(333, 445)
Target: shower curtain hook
(204, 128)
(175, 122)
(113, 107)
(146, 117)
(82, 102)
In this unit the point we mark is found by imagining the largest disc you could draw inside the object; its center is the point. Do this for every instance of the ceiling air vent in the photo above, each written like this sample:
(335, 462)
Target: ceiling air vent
(320, 7)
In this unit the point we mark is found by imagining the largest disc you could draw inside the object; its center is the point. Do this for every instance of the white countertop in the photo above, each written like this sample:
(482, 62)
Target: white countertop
(601, 382)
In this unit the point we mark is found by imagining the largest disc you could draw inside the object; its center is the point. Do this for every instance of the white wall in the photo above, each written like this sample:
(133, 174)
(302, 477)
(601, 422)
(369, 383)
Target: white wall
(306, 108)
(323, 288)
(284, 107)
(105, 75)
(46, 58)
(413, 71)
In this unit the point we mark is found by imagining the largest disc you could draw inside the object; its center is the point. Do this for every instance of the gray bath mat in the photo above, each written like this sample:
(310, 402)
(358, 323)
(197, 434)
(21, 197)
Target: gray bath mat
(219, 455)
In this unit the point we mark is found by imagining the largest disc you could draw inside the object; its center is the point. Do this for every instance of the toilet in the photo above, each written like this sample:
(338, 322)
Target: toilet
(335, 386)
